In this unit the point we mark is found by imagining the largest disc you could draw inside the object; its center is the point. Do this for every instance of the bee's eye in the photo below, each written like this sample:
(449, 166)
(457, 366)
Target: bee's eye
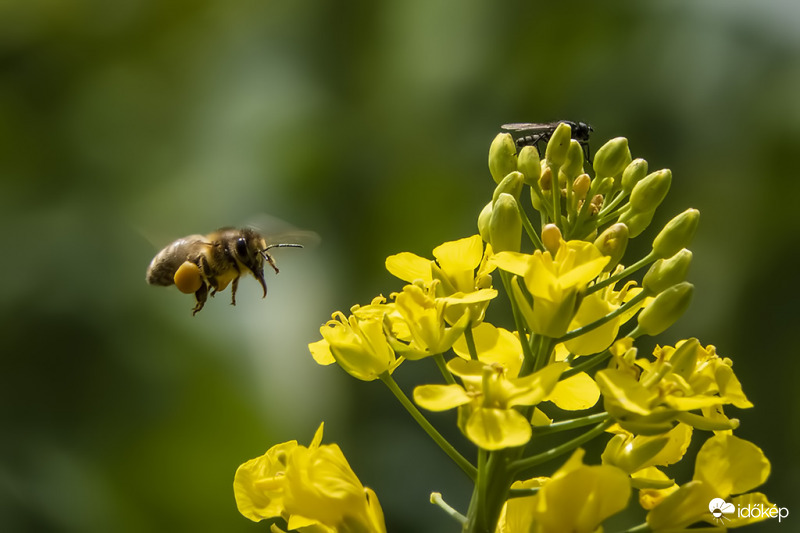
(241, 247)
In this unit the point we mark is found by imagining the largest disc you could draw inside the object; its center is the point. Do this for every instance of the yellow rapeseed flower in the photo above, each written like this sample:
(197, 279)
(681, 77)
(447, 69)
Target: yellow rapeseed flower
(357, 343)
(312, 488)
(487, 399)
(554, 282)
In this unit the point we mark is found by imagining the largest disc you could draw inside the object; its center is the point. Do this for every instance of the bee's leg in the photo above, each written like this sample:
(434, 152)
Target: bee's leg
(205, 269)
(234, 286)
(200, 296)
(271, 263)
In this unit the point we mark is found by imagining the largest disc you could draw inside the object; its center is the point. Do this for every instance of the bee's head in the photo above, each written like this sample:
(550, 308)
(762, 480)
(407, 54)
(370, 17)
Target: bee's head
(251, 250)
(247, 248)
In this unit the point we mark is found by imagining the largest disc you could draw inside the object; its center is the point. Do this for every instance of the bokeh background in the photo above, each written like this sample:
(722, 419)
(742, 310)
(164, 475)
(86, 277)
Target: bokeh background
(126, 124)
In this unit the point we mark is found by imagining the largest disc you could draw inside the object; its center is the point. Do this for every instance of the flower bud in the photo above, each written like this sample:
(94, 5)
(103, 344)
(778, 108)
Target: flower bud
(546, 180)
(505, 225)
(605, 186)
(511, 184)
(677, 234)
(667, 272)
(595, 204)
(551, 238)
(536, 200)
(636, 222)
(612, 158)
(633, 174)
(529, 164)
(612, 243)
(483, 221)
(556, 152)
(502, 156)
(574, 162)
(651, 190)
(667, 308)
(581, 186)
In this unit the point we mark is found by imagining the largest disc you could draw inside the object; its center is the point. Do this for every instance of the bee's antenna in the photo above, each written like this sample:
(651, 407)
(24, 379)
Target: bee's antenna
(282, 245)
(268, 258)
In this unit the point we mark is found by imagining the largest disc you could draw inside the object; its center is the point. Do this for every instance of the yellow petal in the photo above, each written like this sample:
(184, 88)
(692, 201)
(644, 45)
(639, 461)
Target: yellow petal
(532, 389)
(494, 345)
(582, 498)
(440, 397)
(258, 484)
(683, 507)
(409, 267)
(321, 352)
(576, 392)
(460, 255)
(731, 465)
(513, 262)
(622, 392)
(592, 308)
(494, 429)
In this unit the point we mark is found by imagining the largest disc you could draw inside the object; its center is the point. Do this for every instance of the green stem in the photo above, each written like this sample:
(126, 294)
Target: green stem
(555, 191)
(561, 449)
(608, 216)
(612, 204)
(436, 499)
(641, 528)
(575, 423)
(491, 491)
(473, 351)
(519, 320)
(526, 223)
(535, 348)
(429, 429)
(586, 364)
(522, 493)
(577, 332)
(543, 356)
(646, 260)
(442, 365)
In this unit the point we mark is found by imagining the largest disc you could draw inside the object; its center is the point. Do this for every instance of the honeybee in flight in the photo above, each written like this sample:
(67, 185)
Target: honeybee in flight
(198, 263)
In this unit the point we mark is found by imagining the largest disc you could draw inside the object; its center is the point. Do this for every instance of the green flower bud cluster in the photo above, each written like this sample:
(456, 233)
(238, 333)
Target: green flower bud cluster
(615, 205)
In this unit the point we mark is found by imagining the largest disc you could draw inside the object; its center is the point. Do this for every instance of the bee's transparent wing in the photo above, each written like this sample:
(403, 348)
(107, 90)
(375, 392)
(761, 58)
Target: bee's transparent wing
(278, 231)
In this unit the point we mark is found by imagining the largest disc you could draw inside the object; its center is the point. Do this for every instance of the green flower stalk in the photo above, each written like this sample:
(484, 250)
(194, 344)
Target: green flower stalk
(563, 371)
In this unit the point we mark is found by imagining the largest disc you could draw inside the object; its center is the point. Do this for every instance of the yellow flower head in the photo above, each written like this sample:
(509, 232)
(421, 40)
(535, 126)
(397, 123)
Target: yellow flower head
(310, 487)
(724, 466)
(357, 343)
(487, 399)
(420, 319)
(577, 498)
(595, 306)
(685, 378)
(554, 282)
(462, 270)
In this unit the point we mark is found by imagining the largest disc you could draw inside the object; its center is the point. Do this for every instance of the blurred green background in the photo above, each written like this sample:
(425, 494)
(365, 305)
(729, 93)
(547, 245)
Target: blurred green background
(126, 124)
